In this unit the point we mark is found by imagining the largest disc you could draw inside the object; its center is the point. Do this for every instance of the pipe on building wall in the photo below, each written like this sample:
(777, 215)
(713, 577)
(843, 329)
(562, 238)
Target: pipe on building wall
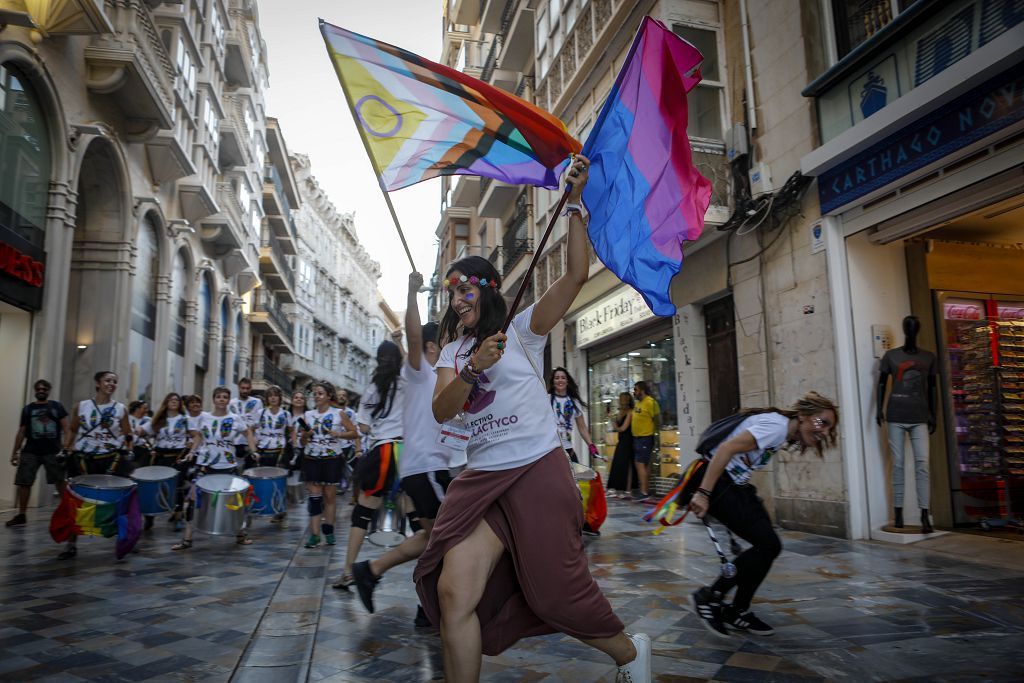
(748, 74)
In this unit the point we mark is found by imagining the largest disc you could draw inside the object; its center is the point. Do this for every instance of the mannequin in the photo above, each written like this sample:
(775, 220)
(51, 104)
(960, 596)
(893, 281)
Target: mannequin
(910, 412)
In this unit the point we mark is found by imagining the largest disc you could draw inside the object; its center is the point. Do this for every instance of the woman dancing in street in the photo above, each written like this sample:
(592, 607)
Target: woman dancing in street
(99, 437)
(326, 427)
(568, 407)
(380, 417)
(726, 494)
(505, 559)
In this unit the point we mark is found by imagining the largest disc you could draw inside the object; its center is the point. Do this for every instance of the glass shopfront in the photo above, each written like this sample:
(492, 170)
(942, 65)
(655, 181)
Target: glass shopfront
(614, 367)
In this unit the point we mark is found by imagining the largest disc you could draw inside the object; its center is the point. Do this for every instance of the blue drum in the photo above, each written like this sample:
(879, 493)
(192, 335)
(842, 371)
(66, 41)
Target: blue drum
(101, 488)
(269, 488)
(156, 486)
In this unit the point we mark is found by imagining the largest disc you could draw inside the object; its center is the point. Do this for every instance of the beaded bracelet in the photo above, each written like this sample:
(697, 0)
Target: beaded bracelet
(704, 492)
(468, 375)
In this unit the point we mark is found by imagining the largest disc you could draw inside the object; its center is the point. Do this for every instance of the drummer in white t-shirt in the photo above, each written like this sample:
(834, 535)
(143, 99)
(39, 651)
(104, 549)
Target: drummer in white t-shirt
(213, 446)
(425, 461)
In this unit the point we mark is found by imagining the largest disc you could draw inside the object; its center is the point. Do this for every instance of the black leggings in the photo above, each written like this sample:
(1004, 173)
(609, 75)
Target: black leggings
(743, 513)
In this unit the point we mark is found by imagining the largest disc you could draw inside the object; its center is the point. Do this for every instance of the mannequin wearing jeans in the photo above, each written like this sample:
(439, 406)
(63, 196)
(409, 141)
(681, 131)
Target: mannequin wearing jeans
(910, 413)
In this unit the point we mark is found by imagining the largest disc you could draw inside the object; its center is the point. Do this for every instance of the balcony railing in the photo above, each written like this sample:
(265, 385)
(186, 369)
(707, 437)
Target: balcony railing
(266, 302)
(275, 375)
(514, 250)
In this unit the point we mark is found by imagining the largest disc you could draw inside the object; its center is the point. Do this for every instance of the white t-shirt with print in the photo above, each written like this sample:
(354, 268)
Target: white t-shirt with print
(173, 435)
(566, 411)
(140, 429)
(250, 409)
(420, 451)
(219, 436)
(270, 429)
(99, 427)
(348, 443)
(769, 431)
(383, 428)
(509, 409)
(321, 443)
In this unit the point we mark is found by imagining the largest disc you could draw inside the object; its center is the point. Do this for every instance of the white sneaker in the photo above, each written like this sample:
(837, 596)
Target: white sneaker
(639, 670)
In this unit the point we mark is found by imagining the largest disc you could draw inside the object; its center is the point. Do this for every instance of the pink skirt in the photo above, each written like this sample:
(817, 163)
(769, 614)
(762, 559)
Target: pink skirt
(542, 583)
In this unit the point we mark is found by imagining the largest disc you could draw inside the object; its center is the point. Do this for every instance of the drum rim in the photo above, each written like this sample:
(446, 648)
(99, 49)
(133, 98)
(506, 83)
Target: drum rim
(233, 476)
(246, 473)
(121, 487)
(173, 474)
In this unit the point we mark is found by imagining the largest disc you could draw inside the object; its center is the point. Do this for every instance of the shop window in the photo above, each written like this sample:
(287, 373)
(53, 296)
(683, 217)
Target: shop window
(706, 101)
(614, 370)
(24, 157)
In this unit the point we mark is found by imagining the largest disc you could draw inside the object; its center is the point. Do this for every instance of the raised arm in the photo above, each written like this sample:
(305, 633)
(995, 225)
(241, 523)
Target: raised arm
(413, 327)
(556, 301)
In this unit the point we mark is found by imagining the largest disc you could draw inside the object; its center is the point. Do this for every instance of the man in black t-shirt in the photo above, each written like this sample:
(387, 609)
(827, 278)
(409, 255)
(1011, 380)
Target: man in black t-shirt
(38, 444)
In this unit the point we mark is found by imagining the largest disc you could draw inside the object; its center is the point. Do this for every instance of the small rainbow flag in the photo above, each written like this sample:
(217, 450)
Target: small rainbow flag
(80, 517)
(421, 119)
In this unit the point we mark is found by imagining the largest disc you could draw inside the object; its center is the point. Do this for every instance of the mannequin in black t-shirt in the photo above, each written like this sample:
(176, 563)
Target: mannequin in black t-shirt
(911, 412)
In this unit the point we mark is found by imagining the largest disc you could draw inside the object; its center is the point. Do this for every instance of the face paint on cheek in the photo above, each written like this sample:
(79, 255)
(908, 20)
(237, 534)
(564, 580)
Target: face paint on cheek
(469, 297)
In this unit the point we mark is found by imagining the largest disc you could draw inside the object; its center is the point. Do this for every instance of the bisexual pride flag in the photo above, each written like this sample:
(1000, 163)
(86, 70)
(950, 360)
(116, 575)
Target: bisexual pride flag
(645, 196)
(421, 119)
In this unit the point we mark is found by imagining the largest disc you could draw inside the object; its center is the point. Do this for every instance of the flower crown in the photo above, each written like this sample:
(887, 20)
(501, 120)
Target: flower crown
(472, 279)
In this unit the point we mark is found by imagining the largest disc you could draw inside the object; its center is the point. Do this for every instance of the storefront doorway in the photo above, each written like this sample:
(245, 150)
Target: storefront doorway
(613, 368)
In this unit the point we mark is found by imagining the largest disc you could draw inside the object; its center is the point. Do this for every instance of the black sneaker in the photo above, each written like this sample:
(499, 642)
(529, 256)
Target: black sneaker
(587, 531)
(365, 583)
(421, 620)
(708, 606)
(16, 520)
(148, 524)
(745, 621)
(69, 553)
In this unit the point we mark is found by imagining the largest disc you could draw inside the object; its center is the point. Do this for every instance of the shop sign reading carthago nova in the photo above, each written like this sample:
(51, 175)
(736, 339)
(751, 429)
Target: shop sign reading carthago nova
(618, 311)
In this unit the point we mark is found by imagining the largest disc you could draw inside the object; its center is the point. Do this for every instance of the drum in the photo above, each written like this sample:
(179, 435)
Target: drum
(220, 504)
(101, 488)
(296, 489)
(156, 486)
(388, 526)
(582, 472)
(269, 490)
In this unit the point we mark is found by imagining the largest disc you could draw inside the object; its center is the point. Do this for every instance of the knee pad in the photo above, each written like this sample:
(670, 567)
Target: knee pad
(414, 522)
(361, 516)
(327, 528)
(315, 505)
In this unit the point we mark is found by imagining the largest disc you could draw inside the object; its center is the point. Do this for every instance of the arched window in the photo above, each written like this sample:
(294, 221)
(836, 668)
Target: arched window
(204, 316)
(24, 157)
(141, 338)
(238, 347)
(179, 309)
(224, 332)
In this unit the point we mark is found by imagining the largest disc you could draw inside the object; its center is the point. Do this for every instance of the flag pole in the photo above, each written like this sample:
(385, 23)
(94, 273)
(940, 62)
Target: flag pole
(533, 262)
(366, 146)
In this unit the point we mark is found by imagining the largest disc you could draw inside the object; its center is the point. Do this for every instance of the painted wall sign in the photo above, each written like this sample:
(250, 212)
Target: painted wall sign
(997, 103)
(619, 311)
(22, 271)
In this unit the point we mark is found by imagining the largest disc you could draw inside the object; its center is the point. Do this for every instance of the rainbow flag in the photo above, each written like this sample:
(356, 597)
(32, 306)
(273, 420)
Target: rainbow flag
(421, 119)
(77, 516)
(645, 196)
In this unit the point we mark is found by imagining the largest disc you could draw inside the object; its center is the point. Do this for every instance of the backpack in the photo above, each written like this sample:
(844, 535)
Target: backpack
(718, 432)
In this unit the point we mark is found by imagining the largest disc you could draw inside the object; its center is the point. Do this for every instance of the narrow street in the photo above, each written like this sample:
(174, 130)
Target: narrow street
(950, 608)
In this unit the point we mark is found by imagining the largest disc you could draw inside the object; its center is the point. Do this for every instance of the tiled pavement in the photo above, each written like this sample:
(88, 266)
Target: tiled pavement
(951, 608)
